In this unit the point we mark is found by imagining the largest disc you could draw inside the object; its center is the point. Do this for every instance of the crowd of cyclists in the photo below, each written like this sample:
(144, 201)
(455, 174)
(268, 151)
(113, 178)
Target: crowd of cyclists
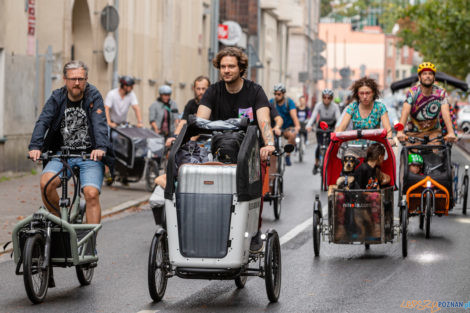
(76, 118)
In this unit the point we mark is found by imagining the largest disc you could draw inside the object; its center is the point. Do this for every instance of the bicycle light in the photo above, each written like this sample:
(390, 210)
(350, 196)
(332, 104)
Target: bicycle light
(428, 184)
(297, 140)
(466, 167)
(263, 236)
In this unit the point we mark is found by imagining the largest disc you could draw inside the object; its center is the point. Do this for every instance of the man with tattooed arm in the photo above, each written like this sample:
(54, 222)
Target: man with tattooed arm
(235, 96)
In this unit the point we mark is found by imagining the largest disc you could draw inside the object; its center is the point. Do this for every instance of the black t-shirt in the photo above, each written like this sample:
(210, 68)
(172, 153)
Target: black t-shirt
(74, 128)
(244, 103)
(366, 176)
(272, 114)
(302, 114)
(190, 108)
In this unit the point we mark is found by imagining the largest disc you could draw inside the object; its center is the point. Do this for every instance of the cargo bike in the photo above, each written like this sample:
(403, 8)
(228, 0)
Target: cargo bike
(42, 240)
(358, 216)
(211, 213)
(434, 191)
(139, 153)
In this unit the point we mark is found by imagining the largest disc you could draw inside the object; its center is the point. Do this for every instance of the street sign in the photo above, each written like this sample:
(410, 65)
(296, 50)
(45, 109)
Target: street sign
(303, 77)
(319, 45)
(109, 48)
(222, 32)
(317, 75)
(345, 72)
(318, 60)
(109, 18)
(234, 33)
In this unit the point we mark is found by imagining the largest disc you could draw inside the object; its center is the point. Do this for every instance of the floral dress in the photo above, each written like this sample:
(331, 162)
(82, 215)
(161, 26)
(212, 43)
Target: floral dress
(370, 122)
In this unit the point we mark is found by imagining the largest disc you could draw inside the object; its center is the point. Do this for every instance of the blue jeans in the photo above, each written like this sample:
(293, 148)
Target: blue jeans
(91, 172)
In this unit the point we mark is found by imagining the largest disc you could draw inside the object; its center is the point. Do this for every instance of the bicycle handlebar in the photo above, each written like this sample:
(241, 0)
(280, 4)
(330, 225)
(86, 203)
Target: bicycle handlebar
(46, 156)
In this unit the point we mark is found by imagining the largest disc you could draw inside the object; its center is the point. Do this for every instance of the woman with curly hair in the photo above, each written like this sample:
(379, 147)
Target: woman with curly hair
(366, 112)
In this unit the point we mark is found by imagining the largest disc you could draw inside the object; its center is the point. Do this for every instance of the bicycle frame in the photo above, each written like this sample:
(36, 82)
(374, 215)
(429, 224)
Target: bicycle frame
(49, 223)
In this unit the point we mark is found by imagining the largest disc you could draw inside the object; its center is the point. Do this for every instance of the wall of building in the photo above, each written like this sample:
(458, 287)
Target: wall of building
(159, 42)
(346, 47)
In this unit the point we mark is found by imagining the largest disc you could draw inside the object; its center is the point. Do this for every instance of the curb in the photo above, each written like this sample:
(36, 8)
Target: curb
(108, 212)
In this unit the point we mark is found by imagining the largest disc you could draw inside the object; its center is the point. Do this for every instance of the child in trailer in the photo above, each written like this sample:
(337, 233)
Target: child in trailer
(368, 175)
(415, 163)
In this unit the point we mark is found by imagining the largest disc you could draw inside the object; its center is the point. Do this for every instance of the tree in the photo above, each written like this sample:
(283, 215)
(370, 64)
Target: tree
(325, 8)
(439, 30)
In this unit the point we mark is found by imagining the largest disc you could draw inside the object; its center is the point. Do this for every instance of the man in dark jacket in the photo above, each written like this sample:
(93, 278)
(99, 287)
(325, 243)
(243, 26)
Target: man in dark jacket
(74, 120)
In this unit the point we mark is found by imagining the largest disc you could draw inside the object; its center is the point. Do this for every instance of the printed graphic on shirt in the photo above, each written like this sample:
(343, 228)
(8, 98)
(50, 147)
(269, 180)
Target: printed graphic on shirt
(248, 112)
(74, 129)
(372, 183)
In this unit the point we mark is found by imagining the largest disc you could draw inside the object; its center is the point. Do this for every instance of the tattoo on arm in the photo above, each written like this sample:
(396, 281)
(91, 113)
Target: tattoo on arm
(267, 132)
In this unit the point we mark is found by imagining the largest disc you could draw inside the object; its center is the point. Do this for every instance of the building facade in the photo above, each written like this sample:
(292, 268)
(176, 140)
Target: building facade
(158, 42)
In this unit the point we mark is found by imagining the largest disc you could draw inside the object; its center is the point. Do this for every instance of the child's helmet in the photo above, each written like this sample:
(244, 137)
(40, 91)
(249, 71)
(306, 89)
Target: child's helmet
(415, 159)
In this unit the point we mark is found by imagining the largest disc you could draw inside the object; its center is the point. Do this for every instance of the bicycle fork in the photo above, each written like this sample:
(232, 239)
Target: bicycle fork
(428, 192)
(47, 247)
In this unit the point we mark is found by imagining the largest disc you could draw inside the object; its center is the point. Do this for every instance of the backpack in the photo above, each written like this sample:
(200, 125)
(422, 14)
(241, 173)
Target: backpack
(190, 152)
(226, 145)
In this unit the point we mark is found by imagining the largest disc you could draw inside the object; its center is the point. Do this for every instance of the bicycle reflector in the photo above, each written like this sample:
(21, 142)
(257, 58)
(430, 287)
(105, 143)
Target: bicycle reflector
(323, 125)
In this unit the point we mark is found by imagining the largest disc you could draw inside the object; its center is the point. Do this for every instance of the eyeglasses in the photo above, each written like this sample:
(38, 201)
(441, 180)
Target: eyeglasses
(326, 97)
(73, 79)
(278, 93)
(364, 93)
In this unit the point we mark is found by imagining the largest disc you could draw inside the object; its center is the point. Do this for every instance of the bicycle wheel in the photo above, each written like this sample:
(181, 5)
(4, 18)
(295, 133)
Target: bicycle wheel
(427, 229)
(465, 194)
(316, 234)
(272, 267)
(404, 232)
(84, 274)
(278, 189)
(150, 174)
(157, 272)
(36, 279)
(240, 281)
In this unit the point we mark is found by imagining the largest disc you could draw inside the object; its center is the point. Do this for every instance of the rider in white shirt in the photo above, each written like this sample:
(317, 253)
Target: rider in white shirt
(119, 100)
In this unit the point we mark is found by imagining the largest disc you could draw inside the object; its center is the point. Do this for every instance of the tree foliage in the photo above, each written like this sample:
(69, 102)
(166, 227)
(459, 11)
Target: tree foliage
(325, 8)
(440, 31)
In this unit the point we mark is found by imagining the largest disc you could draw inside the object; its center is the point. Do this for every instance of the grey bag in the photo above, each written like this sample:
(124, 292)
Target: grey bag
(191, 152)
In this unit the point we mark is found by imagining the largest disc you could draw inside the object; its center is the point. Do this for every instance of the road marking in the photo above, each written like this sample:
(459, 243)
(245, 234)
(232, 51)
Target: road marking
(296, 231)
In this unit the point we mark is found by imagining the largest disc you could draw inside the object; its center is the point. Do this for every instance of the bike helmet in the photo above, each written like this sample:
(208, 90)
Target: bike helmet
(327, 92)
(127, 80)
(415, 159)
(164, 90)
(426, 66)
(280, 87)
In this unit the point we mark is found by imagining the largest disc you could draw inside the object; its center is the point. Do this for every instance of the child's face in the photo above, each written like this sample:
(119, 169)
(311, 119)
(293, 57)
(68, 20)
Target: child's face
(415, 169)
(380, 159)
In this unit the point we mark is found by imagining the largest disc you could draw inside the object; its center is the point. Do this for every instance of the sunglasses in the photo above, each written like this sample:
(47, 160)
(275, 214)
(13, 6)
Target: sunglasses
(278, 93)
(326, 97)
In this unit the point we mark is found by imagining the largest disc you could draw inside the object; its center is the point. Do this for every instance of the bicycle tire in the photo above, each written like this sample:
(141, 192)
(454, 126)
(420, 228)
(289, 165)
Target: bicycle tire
(33, 258)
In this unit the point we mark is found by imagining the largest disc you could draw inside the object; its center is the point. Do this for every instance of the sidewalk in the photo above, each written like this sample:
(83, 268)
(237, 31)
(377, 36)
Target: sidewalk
(20, 197)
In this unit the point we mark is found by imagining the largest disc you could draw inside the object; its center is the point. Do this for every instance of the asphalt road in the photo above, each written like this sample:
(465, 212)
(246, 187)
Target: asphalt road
(344, 278)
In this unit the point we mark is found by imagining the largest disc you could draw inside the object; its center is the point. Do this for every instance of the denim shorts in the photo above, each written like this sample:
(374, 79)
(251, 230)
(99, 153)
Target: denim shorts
(91, 172)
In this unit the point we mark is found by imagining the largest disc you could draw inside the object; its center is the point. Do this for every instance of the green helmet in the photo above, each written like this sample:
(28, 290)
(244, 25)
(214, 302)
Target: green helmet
(337, 100)
(414, 158)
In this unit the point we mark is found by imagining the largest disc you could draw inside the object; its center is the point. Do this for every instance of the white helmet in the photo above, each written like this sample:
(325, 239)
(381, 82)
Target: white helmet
(164, 90)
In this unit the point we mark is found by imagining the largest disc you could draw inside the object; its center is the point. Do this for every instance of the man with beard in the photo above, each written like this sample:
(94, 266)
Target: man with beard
(200, 85)
(73, 120)
(119, 100)
(234, 96)
(425, 104)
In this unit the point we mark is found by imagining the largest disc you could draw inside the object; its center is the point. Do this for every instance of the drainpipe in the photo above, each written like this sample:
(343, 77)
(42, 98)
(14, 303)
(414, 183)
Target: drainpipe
(114, 78)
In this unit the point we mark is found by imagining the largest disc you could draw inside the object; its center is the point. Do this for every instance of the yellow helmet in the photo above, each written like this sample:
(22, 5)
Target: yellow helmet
(426, 66)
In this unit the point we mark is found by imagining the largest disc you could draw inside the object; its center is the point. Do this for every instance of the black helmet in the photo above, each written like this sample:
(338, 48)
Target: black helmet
(126, 80)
